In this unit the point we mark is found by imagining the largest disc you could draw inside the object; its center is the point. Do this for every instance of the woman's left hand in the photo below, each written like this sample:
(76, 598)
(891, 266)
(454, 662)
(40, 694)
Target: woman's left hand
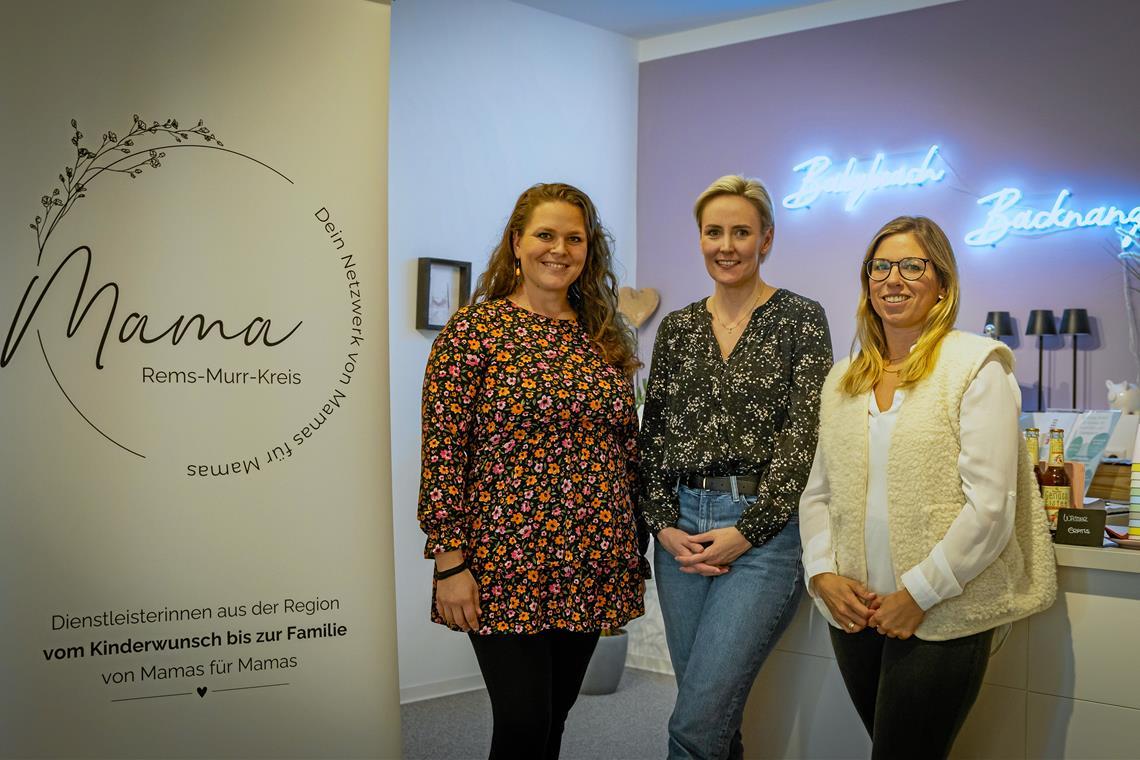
(722, 547)
(896, 615)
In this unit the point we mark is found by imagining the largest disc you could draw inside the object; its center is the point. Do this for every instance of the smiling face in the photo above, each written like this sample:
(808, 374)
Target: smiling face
(903, 305)
(552, 248)
(732, 240)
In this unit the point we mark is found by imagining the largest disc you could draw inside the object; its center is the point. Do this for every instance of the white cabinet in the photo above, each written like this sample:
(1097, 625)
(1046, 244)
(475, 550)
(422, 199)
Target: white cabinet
(1065, 684)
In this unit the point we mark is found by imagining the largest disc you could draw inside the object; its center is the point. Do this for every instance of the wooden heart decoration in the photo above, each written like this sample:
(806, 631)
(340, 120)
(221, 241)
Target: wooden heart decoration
(638, 305)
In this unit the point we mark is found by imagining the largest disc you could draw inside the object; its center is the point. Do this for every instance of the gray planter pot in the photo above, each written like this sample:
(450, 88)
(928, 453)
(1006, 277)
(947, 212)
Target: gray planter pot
(607, 664)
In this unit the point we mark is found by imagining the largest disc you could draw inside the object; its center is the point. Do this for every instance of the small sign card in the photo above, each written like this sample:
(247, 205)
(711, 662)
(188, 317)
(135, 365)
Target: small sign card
(1080, 527)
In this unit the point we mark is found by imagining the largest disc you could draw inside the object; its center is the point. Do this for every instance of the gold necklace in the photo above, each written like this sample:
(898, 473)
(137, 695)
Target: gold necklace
(892, 361)
(747, 313)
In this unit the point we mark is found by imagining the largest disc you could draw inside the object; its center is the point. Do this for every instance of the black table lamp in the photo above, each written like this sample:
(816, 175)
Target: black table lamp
(998, 323)
(1041, 323)
(1075, 322)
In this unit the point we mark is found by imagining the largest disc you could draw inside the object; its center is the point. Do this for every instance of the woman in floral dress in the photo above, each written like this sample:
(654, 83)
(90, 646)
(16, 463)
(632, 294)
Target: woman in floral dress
(528, 488)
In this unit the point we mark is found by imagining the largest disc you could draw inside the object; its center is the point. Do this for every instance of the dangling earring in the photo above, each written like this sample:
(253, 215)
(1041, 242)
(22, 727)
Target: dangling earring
(518, 269)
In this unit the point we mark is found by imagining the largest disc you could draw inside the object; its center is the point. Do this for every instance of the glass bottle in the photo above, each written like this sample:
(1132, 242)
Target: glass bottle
(1032, 442)
(1055, 485)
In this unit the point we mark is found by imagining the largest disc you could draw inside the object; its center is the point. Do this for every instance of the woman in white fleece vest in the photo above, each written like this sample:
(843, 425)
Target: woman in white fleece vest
(921, 524)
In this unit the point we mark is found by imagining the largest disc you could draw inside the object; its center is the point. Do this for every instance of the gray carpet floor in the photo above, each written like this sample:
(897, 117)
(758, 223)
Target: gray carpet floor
(626, 725)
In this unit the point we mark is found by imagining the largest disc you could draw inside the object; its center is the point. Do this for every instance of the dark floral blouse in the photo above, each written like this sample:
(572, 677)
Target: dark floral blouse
(530, 467)
(755, 413)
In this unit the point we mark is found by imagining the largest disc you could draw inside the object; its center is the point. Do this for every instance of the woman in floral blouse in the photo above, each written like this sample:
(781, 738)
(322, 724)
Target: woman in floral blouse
(528, 488)
(727, 442)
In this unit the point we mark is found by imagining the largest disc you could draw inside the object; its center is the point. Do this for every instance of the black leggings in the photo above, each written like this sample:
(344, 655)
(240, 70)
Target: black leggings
(912, 696)
(533, 681)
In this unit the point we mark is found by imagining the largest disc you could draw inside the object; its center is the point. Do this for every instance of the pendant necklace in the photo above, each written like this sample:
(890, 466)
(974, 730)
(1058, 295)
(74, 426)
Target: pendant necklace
(748, 313)
(892, 361)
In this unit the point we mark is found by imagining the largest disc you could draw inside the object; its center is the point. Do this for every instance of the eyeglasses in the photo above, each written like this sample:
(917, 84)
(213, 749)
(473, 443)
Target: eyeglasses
(911, 268)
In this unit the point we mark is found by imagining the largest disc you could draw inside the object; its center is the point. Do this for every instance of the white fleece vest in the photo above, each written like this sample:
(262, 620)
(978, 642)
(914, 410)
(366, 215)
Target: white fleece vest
(924, 494)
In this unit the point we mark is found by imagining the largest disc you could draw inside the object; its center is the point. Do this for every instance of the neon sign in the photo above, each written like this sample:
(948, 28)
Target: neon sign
(1006, 217)
(854, 183)
(1130, 238)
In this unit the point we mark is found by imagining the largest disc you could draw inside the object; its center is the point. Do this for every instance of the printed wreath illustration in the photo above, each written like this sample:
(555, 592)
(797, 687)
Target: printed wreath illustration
(142, 147)
(134, 158)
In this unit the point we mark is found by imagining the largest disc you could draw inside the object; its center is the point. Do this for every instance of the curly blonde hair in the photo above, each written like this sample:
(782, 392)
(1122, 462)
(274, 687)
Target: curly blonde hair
(594, 295)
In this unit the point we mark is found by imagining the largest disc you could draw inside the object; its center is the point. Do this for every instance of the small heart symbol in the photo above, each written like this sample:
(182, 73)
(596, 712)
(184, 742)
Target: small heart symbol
(638, 305)
(201, 691)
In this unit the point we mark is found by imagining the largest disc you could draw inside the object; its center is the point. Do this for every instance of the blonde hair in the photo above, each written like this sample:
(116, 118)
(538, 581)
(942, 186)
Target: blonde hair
(751, 190)
(867, 365)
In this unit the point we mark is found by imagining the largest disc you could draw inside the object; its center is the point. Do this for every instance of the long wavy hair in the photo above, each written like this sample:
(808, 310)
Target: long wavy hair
(867, 365)
(594, 295)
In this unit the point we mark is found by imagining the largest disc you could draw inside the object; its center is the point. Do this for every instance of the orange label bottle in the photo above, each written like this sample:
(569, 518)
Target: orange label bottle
(1055, 485)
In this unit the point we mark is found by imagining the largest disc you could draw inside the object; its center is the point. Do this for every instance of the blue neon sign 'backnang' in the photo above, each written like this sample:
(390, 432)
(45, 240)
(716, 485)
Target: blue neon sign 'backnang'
(1006, 217)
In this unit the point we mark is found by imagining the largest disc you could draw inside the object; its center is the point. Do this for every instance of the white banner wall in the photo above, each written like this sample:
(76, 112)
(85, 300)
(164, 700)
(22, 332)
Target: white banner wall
(195, 510)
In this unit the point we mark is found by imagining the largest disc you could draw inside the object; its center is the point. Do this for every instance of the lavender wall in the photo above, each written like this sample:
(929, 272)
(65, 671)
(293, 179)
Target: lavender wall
(1037, 94)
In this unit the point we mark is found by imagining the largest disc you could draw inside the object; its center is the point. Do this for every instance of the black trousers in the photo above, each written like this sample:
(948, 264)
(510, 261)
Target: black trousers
(533, 681)
(912, 696)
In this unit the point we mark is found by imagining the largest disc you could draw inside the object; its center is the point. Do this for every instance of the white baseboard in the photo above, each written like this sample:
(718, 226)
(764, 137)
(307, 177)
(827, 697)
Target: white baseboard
(475, 682)
(441, 688)
(647, 662)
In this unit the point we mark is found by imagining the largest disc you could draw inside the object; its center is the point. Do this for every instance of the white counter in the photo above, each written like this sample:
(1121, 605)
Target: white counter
(1066, 682)
(1090, 558)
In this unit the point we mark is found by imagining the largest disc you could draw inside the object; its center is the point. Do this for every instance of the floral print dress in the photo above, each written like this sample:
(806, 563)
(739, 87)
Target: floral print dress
(529, 463)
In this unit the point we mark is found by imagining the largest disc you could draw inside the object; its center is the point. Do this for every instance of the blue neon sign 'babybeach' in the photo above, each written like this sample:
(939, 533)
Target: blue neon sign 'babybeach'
(1006, 217)
(855, 183)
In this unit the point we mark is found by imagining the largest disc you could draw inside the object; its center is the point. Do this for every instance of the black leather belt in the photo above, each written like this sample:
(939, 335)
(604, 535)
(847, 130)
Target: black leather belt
(746, 485)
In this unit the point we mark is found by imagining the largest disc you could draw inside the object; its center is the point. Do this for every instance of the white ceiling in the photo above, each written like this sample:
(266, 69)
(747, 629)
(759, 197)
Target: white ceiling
(651, 18)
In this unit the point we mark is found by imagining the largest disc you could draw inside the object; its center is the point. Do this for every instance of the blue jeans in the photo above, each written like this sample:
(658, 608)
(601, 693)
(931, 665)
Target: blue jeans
(720, 629)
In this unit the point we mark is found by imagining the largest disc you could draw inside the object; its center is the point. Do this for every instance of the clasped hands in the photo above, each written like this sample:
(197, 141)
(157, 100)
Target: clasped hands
(709, 553)
(855, 607)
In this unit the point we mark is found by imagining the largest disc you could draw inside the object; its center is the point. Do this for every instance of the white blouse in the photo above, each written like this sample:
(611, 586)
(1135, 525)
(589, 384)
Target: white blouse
(988, 464)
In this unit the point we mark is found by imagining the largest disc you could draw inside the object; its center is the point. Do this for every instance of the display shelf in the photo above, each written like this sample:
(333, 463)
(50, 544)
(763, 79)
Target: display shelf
(1092, 558)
